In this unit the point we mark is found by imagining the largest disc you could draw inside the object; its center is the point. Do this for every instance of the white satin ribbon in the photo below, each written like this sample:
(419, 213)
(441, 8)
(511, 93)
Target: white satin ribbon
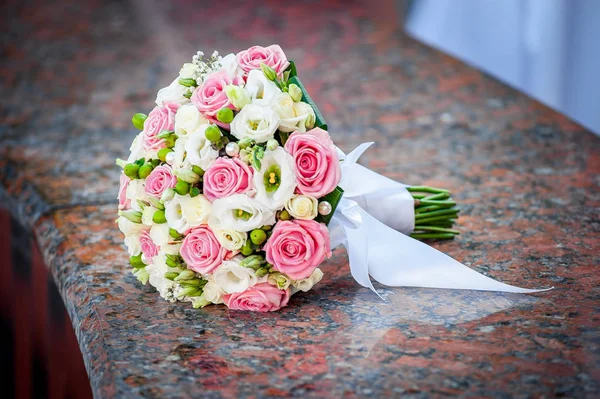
(369, 222)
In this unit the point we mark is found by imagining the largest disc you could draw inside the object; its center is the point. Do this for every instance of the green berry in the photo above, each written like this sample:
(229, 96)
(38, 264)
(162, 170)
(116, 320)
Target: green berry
(174, 233)
(258, 236)
(247, 249)
(170, 141)
(131, 170)
(225, 115)
(284, 215)
(182, 187)
(213, 133)
(162, 153)
(138, 120)
(198, 170)
(136, 261)
(267, 228)
(145, 170)
(159, 217)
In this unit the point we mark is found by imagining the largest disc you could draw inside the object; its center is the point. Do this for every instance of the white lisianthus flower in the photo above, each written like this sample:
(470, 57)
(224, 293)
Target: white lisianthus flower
(231, 240)
(159, 233)
(240, 213)
(275, 182)
(199, 150)
(293, 116)
(157, 279)
(171, 248)
(261, 89)
(212, 292)
(173, 93)
(307, 283)
(229, 64)
(184, 212)
(279, 280)
(231, 277)
(132, 232)
(189, 71)
(302, 207)
(256, 122)
(136, 191)
(188, 119)
(137, 149)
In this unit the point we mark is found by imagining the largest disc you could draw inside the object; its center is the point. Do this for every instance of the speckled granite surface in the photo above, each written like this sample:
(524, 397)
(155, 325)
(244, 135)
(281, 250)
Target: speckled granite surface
(528, 179)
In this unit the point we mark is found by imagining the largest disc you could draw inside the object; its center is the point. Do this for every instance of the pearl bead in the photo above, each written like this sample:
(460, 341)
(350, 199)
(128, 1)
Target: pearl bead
(232, 149)
(170, 158)
(324, 208)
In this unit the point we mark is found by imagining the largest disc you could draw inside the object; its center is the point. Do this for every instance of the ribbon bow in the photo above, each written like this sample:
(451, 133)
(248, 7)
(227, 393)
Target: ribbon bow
(369, 222)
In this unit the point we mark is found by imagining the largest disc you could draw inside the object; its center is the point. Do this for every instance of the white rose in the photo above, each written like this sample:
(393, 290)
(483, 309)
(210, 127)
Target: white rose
(199, 150)
(184, 212)
(240, 213)
(256, 122)
(189, 71)
(231, 240)
(307, 116)
(188, 119)
(173, 93)
(302, 207)
(307, 283)
(212, 292)
(293, 116)
(132, 233)
(278, 172)
(160, 234)
(231, 277)
(136, 191)
(261, 89)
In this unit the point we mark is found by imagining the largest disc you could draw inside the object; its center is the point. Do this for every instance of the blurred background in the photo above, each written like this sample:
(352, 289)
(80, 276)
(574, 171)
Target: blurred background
(70, 65)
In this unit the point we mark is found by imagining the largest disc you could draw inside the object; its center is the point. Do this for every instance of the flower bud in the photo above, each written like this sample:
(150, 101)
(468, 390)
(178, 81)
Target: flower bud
(142, 275)
(187, 291)
(155, 202)
(279, 280)
(188, 82)
(138, 120)
(121, 162)
(167, 195)
(198, 170)
(185, 275)
(199, 302)
(253, 262)
(272, 145)
(238, 96)
(295, 92)
(171, 275)
(269, 72)
(131, 215)
(225, 115)
(261, 272)
(187, 176)
(245, 142)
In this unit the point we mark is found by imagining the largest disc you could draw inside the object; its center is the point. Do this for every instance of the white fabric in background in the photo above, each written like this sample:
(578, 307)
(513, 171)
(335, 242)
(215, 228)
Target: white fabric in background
(549, 49)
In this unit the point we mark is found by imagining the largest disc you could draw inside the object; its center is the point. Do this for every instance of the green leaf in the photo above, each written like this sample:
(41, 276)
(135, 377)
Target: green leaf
(194, 192)
(292, 70)
(334, 199)
(140, 161)
(320, 121)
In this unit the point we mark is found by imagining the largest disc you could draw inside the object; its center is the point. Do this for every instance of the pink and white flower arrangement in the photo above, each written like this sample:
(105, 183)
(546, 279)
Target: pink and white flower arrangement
(227, 191)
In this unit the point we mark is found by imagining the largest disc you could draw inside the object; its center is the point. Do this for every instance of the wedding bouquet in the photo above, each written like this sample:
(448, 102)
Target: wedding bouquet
(234, 193)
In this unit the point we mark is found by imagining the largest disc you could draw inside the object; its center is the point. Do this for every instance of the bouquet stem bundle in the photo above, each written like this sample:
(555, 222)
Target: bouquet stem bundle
(435, 213)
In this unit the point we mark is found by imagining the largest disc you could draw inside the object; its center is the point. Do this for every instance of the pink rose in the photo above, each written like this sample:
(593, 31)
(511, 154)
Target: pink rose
(317, 163)
(272, 56)
(123, 201)
(149, 249)
(297, 247)
(159, 119)
(201, 250)
(262, 297)
(226, 176)
(210, 97)
(160, 179)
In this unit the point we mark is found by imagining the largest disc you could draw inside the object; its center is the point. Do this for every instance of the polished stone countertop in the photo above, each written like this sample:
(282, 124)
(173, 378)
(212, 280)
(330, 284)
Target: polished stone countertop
(527, 179)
